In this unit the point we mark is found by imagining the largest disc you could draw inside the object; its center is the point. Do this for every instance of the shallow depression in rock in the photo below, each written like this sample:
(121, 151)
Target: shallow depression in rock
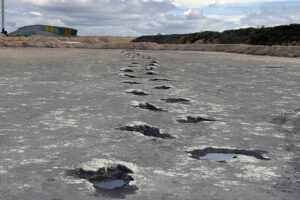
(176, 100)
(150, 68)
(218, 153)
(133, 66)
(130, 75)
(195, 119)
(107, 178)
(137, 92)
(145, 105)
(159, 79)
(126, 70)
(112, 184)
(132, 82)
(145, 129)
(152, 73)
(163, 87)
(219, 157)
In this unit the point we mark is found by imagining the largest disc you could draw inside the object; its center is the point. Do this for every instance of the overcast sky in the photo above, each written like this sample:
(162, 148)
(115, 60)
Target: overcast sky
(144, 17)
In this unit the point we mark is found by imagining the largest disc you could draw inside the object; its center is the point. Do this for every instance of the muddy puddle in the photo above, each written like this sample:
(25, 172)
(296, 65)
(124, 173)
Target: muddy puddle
(218, 157)
(223, 155)
(107, 178)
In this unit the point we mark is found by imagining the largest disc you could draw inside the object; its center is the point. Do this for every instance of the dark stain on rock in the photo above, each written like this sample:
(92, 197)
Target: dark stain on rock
(145, 129)
(280, 120)
(132, 82)
(159, 79)
(176, 100)
(126, 70)
(137, 92)
(202, 154)
(163, 87)
(191, 119)
(288, 123)
(147, 106)
(51, 180)
(110, 178)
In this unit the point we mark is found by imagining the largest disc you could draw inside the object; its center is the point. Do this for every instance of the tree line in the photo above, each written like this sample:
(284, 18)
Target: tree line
(278, 35)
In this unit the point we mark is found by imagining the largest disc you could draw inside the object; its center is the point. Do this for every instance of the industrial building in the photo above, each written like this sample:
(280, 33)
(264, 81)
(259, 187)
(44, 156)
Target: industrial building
(44, 30)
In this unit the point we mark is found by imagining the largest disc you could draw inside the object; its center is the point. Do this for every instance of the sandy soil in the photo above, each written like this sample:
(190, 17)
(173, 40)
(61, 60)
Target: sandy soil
(109, 42)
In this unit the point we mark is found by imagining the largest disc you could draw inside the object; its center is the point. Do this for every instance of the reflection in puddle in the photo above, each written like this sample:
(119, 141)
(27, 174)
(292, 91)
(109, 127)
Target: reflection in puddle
(216, 154)
(112, 184)
(218, 157)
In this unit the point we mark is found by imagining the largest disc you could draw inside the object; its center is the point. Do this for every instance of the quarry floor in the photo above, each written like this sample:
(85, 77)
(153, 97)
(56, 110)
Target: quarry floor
(61, 109)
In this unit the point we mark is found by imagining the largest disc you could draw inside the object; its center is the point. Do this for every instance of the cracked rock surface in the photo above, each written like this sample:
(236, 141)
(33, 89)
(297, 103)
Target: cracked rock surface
(59, 110)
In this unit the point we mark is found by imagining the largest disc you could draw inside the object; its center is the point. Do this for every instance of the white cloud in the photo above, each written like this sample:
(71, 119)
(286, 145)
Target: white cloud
(204, 3)
(273, 16)
(140, 17)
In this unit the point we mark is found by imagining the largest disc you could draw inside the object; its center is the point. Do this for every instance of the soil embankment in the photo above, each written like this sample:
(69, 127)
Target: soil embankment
(109, 42)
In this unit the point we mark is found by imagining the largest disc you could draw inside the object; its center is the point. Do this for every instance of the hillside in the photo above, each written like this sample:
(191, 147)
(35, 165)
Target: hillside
(278, 35)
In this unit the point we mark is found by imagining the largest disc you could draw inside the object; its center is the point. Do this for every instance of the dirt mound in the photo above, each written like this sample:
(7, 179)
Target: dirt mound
(64, 42)
(109, 42)
(2, 35)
